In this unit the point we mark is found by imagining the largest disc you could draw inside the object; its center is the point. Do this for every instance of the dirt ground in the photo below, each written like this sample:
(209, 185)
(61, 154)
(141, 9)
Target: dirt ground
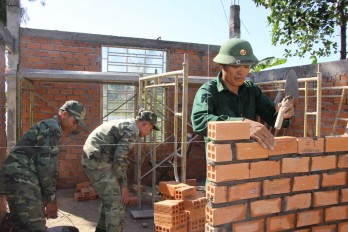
(84, 214)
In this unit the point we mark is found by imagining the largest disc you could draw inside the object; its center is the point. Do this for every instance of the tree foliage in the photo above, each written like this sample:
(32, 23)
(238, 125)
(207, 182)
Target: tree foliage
(309, 24)
(24, 12)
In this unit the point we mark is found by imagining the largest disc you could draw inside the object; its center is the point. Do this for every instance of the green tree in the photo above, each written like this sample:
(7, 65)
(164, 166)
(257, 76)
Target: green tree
(309, 24)
(24, 13)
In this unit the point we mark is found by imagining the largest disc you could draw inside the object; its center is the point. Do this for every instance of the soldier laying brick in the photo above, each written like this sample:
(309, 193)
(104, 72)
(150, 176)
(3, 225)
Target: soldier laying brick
(105, 163)
(28, 177)
(230, 97)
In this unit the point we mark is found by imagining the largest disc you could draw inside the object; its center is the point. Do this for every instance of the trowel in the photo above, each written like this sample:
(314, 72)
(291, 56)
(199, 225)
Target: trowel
(291, 92)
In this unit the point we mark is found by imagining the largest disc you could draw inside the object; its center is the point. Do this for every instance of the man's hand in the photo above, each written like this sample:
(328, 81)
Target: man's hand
(259, 133)
(51, 210)
(125, 195)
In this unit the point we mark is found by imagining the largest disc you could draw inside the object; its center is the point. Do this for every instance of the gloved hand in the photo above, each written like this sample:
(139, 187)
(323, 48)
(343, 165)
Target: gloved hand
(51, 210)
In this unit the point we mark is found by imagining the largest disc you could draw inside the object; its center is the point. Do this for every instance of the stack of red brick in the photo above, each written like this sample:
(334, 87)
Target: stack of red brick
(85, 192)
(300, 185)
(182, 208)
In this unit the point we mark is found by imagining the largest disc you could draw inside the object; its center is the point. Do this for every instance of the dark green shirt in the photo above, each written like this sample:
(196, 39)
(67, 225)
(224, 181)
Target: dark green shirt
(215, 102)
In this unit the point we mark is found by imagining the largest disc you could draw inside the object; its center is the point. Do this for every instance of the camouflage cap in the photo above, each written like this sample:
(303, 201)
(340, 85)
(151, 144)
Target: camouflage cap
(76, 109)
(148, 116)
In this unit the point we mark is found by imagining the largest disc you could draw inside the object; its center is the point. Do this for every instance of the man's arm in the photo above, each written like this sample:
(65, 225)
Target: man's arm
(203, 111)
(47, 158)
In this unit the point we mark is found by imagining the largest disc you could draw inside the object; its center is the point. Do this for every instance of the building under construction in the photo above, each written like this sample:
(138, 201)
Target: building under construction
(303, 185)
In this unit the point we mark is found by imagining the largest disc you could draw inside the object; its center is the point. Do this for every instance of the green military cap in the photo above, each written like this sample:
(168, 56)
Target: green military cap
(148, 116)
(236, 51)
(76, 109)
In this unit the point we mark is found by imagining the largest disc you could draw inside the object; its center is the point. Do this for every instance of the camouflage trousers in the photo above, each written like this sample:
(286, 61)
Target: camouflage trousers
(26, 214)
(108, 189)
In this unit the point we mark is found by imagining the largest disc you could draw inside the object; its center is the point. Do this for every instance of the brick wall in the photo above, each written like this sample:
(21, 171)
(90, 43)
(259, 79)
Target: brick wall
(300, 185)
(42, 49)
(334, 75)
(2, 123)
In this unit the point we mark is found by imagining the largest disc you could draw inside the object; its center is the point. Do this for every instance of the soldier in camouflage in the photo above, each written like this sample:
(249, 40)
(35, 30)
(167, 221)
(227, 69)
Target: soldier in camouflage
(28, 177)
(105, 163)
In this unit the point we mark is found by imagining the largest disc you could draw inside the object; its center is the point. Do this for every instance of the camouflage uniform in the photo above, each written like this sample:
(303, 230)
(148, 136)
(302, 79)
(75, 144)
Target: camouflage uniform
(28, 177)
(105, 163)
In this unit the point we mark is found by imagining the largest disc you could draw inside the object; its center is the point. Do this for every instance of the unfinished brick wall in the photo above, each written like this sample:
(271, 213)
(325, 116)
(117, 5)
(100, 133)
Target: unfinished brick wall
(299, 185)
(334, 75)
(42, 49)
(2, 123)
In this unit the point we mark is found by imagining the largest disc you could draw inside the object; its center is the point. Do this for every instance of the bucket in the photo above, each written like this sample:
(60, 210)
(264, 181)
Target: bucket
(63, 229)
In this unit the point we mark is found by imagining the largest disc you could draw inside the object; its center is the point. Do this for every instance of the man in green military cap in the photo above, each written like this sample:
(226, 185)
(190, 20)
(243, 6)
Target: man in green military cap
(105, 163)
(230, 97)
(28, 177)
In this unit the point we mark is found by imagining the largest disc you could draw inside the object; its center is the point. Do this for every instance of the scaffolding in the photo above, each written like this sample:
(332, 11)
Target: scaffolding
(147, 98)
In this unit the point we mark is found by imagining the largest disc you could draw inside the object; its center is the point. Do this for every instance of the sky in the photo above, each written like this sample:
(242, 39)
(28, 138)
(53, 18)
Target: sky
(193, 21)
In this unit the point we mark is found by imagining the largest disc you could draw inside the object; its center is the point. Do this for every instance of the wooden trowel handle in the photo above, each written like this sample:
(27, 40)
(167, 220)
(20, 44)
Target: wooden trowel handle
(279, 121)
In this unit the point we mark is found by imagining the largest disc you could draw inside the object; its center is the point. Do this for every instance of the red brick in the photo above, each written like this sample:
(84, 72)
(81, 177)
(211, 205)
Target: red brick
(336, 213)
(295, 165)
(219, 216)
(334, 179)
(325, 198)
(219, 152)
(343, 161)
(264, 168)
(276, 186)
(336, 143)
(326, 162)
(185, 191)
(195, 214)
(278, 223)
(252, 150)
(249, 226)
(216, 194)
(343, 227)
(309, 145)
(191, 182)
(302, 183)
(228, 172)
(298, 201)
(264, 207)
(309, 218)
(228, 130)
(284, 145)
(327, 228)
(168, 187)
(244, 191)
(344, 195)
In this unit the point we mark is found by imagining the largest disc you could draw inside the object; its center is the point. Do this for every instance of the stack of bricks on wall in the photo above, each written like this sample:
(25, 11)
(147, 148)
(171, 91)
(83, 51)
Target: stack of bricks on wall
(182, 208)
(300, 185)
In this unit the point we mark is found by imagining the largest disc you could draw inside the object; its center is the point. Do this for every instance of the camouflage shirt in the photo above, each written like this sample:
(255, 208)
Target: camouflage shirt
(31, 167)
(108, 147)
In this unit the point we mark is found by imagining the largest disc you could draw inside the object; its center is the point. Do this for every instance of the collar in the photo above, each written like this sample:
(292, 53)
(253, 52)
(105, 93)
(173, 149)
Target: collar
(56, 117)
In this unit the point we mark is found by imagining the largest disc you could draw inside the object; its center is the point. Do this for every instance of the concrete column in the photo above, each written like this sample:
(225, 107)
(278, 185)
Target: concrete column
(234, 21)
(13, 121)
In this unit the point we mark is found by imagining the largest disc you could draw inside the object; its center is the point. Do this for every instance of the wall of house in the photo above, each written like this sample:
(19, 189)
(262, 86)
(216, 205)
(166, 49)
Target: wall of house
(54, 50)
(2, 123)
(299, 185)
